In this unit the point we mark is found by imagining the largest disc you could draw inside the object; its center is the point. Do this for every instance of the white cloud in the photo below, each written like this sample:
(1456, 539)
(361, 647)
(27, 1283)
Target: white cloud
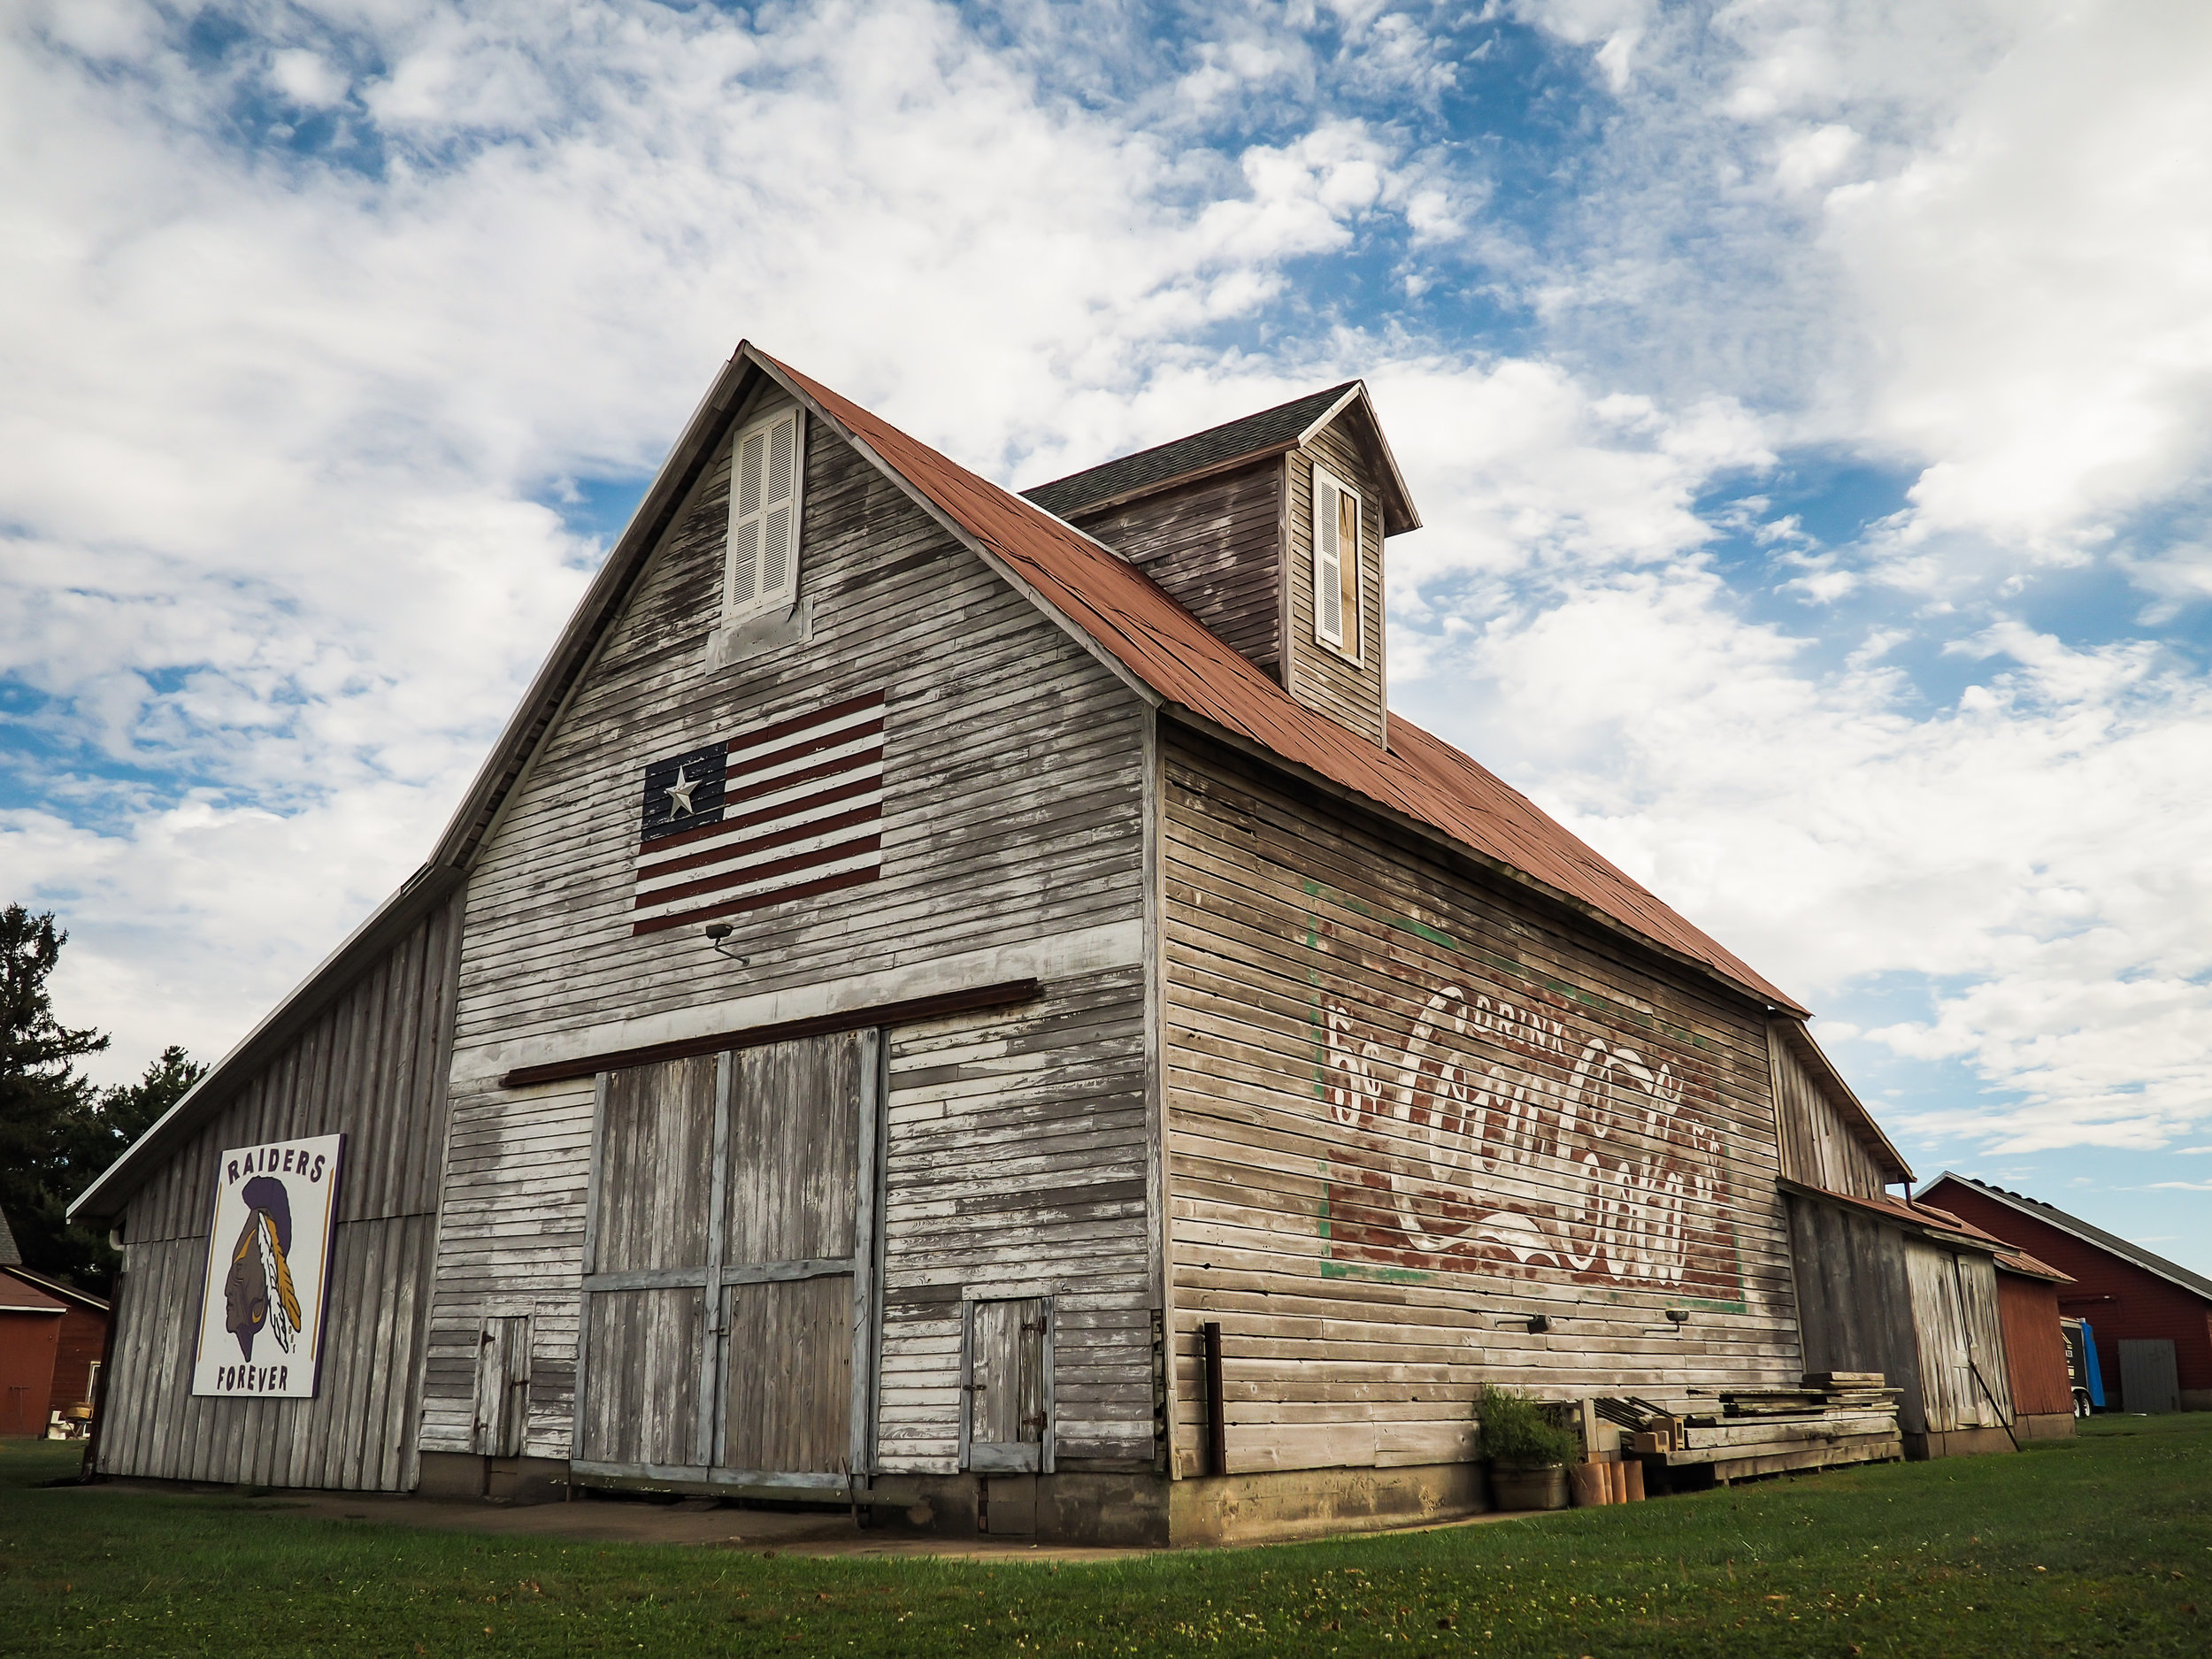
(278, 426)
(276, 423)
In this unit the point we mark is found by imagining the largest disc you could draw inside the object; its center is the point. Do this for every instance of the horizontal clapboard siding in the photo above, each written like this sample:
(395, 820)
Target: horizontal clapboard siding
(1213, 546)
(371, 1066)
(1012, 813)
(1016, 1167)
(1336, 1355)
(511, 1243)
(1353, 693)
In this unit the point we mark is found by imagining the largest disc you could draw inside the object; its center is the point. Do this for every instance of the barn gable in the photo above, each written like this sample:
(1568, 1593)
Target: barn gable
(987, 833)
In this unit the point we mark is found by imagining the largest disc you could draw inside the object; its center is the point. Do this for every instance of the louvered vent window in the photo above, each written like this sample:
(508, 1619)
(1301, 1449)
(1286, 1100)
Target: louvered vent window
(1335, 564)
(766, 468)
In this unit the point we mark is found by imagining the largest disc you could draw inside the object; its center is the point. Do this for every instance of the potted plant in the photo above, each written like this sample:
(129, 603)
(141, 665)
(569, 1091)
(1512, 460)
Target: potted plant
(1528, 1452)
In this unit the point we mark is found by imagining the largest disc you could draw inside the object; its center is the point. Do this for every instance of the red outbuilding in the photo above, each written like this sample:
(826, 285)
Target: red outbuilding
(52, 1336)
(2028, 1293)
(2152, 1317)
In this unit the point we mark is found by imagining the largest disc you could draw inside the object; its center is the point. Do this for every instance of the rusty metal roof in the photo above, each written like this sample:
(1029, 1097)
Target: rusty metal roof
(1911, 1213)
(2021, 1263)
(1164, 647)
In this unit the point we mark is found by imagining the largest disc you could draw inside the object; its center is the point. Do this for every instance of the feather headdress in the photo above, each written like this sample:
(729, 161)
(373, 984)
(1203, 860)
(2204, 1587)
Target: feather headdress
(284, 1302)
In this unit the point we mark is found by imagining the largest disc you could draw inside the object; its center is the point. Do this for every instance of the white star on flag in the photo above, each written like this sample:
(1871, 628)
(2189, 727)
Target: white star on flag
(679, 794)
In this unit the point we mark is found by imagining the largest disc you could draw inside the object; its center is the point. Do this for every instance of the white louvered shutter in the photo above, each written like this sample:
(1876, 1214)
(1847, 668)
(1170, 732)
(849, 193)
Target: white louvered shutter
(763, 556)
(1328, 562)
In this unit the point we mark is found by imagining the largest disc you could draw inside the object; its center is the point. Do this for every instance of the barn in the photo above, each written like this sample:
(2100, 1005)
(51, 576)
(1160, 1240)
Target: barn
(971, 1006)
(2152, 1317)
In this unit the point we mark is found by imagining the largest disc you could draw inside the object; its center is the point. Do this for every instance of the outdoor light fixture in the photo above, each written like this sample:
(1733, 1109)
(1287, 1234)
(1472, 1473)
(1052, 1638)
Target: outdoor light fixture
(718, 935)
(1535, 1323)
(1678, 1315)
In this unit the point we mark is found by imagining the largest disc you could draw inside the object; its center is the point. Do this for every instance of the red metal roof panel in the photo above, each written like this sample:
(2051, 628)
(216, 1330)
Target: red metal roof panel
(1169, 650)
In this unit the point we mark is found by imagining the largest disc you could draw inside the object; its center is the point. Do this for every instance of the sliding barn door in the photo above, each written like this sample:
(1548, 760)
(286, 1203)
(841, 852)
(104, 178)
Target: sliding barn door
(790, 1259)
(727, 1327)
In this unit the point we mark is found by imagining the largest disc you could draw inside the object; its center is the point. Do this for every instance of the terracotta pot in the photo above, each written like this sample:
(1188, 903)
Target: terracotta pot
(1529, 1486)
(1593, 1484)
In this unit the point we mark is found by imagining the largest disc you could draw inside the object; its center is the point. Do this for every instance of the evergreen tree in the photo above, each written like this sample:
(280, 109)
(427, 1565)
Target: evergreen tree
(57, 1129)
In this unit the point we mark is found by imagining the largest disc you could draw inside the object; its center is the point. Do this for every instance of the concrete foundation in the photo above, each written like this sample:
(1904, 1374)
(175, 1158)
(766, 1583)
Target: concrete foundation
(500, 1480)
(2045, 1425)
(1282, 1504)
(1135, 1511)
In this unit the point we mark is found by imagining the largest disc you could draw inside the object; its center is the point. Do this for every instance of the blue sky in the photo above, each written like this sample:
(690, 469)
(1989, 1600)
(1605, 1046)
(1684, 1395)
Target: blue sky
(1808, 403)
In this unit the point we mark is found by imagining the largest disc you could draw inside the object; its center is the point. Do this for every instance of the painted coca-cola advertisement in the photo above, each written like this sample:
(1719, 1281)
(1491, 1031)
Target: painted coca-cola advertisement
(1492, 1127)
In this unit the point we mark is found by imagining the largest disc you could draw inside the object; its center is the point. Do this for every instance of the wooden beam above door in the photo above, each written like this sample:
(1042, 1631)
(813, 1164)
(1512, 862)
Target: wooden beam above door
(1003, 994)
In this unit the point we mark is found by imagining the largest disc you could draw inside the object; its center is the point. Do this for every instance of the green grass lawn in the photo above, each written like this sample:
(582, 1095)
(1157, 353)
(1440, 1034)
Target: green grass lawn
(2098, 1545)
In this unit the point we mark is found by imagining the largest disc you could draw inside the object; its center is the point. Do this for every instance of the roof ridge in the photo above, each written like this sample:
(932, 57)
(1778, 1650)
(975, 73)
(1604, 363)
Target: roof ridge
(1147, 469)
(2088, 1231)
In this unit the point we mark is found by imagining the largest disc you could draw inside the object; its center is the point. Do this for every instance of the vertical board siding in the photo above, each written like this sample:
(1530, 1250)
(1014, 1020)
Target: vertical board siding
(790, 1388)
(1353, 693)
(2035, 1347)
(1854, 1300)
(1818, 1146)
(656, 1164)
(1349, 1071)
(1015, 1168)
(792, 1172)
(642, 1406)
(1962, 1342)
(1215, 547)
(371, 1066)
(1012, 813)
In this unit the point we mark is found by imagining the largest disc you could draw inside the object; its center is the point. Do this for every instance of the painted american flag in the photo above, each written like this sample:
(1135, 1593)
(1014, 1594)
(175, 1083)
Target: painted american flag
(780, 811)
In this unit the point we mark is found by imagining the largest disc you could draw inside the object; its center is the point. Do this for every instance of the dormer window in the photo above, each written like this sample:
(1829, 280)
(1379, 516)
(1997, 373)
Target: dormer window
(767, 465)
(1336, 564)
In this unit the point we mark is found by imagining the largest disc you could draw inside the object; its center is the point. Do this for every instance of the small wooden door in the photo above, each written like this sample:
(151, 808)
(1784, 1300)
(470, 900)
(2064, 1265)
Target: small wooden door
(503, 1388)
(729, 1266)
(1008, 1425)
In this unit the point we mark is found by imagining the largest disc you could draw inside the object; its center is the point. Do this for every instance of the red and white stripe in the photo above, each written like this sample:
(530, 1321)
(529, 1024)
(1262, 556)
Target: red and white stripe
(802, 813)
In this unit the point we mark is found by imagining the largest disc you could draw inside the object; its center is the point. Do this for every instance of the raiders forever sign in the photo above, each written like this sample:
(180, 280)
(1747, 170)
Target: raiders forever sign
(261, 1311)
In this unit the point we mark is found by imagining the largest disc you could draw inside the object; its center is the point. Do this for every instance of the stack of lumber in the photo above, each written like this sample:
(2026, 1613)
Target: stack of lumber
(1834, 1417)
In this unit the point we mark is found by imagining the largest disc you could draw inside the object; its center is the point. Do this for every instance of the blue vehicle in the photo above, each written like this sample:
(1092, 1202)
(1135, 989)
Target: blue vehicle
(2082, 1367)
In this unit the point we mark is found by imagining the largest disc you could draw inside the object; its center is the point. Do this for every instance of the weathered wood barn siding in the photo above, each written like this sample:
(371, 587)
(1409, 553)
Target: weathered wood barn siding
(1855, 1302)
(1383, 1081)
(1215, 546)
(1351, 691)
(1012, 847)
(371, 1066)
(1015, 1168)
(1817, 1145)
(1962, 1371)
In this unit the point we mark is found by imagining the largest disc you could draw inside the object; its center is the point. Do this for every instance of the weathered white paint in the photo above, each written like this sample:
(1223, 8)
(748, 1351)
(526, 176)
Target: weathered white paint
(1087, 950)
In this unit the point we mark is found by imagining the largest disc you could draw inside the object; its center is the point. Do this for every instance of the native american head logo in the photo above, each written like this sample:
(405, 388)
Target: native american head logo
(258, 1293)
